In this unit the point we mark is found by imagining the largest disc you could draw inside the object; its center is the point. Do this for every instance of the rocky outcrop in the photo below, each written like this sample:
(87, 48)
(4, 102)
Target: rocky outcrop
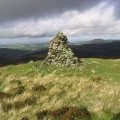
(60, 54)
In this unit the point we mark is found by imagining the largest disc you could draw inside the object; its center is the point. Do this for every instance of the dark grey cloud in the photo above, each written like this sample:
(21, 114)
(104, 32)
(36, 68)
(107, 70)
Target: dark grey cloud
(116, 3)
(22, 9)
(94, 17)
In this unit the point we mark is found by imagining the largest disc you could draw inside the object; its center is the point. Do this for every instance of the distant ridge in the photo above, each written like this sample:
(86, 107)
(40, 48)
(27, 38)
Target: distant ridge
(96, 41)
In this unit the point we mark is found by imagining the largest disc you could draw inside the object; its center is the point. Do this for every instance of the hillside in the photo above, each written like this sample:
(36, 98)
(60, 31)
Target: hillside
(33, 91)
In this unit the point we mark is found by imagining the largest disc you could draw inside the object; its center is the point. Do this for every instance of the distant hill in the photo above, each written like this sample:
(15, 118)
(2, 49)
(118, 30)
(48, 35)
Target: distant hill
(96, 41)
(109, 50)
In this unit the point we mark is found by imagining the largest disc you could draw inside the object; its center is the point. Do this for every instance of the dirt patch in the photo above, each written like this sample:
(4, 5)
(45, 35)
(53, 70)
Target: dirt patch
(38, 88)
(6, 106)
(25, 118)
(17, 91)
(67, 113)
(4, 95)
(43, 115)
(15, 88)
(17, 82)
(18, 104)
(97, 79)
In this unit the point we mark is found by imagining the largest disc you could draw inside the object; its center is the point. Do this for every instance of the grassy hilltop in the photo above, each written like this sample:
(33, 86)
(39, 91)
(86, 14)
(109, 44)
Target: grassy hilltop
(93, 90)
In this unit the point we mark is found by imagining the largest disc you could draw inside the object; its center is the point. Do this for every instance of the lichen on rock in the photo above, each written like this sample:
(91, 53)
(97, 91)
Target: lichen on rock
(59, 52)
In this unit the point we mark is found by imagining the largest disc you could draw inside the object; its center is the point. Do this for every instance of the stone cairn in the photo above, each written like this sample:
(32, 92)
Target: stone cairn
(60, 54)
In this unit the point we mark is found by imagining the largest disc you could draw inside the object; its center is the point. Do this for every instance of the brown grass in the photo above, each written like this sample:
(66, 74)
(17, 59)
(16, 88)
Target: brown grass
(54, 92)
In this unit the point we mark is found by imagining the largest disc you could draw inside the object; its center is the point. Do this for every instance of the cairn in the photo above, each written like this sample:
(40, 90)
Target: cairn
(60, 54)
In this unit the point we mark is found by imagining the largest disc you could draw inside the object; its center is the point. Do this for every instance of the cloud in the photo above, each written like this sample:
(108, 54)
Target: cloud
(22, 9)
(97, 21)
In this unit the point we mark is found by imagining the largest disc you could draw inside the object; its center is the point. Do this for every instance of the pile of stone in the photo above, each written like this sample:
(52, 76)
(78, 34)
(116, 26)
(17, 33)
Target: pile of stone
(60, 54)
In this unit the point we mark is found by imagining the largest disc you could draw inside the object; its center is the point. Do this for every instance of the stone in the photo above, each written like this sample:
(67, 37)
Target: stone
(60, 54)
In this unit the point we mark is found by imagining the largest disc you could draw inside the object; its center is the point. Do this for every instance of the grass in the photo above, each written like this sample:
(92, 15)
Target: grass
(32, 88)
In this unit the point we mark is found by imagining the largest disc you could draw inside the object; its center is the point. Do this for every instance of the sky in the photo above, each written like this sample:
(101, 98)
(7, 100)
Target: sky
(83, 19)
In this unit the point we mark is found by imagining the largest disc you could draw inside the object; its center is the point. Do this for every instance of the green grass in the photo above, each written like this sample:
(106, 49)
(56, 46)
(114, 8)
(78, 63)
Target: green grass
(91, 67)
(95, 86)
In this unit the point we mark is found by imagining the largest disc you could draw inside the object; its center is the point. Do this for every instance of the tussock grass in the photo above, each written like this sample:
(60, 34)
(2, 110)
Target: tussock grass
(95, 87)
